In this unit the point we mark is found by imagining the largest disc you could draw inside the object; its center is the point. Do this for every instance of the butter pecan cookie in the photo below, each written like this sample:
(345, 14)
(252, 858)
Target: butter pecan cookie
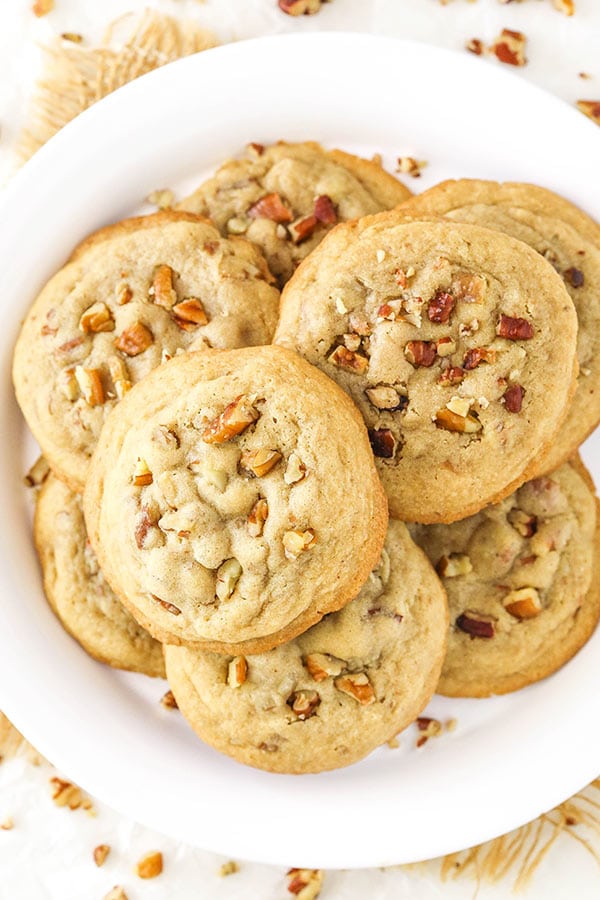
(338, 691)
(134, 294)
(77, 591)
(286, 197)
(233, 499)
(570, 241)
(450, 339)
(523, 584)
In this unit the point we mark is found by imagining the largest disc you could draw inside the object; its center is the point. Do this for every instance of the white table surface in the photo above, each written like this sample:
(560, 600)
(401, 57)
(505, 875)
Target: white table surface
(48, 853)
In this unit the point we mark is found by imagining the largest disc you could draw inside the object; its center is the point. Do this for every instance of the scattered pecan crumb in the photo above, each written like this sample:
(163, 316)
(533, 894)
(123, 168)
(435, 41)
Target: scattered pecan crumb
(574, 277)
(72, 36)
(324, 210)
(37, 473)
(305, 884)
(565, 6)
(8, 824)
(585, 76)
(451, 724)
(271, 206)
(229, 868)
(429, 728)
(42, 7)
(168, 700)
(509, 47)
(161, 198)
(591, 109)
(408, 165)
(474, 45)
(65, 793)
(300, 7)
(383, 442)
(117, 893)
(476, 625)
(150, 865)
(100, 854)
(513, 398)
(393, 743)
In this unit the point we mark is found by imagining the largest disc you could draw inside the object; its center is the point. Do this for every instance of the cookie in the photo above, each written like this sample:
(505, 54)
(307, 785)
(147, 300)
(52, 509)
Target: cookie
(570, 241)
(338, 691)
(133, 294)
(523, 584)
(450, 339)
(233, 499)
(77, 591)
(286, 197)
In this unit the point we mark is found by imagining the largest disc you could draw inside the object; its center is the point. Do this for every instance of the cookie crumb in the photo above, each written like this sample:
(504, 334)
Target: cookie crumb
(117, 893)
(229, 868)
(42, 7)
(162, 198)
(591, 109)
(408, 165)
(305, 884)
(150, 865)
(100, 854)
(450, 724)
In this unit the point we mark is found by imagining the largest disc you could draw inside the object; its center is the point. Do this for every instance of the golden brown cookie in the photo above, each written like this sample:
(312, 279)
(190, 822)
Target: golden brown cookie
(338, 691)
(233, 499)
(450, 339)
(523, 584)
(77, 591)
(134, 294)
(286, 197)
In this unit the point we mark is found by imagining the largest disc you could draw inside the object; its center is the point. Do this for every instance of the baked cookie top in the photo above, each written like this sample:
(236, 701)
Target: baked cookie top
(338, 691)
(570, 241)
(450, 339)
(134, 294)
(286, 197)
(77, 591)
(523, 584)
(238, 511)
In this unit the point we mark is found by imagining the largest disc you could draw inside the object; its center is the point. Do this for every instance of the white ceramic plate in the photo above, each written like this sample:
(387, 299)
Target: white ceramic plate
(510, 758)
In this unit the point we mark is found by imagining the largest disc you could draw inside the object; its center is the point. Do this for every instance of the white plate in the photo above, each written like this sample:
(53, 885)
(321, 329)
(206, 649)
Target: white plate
(510, 758)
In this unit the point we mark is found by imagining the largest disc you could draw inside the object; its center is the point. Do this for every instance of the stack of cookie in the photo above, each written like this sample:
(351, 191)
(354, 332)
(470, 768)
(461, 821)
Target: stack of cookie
(238, 451)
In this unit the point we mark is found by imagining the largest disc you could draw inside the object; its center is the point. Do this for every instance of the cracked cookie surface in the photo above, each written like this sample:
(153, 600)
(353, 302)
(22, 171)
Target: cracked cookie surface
(285, 197)
(78, 592)
(570, 241)
(237, 511)
(450, 339)
(338, 691)
(132, 294)
(523, 583)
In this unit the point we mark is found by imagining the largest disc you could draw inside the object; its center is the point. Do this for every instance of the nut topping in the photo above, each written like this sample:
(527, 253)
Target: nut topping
(168, 607)
(476, 624)
(383, 442)
(451, 376)
(237, 671)
(120, 376)
(150, 865)
(38, 473)
(295, 471)
(322, 666)
(305, 884)
(228, 575)
(259, 462)
(296, 542)
(454, 565)
(100, 854)
(440, 307)
(470, 288)
(271, 207)
(190, 311)
(234, 419)
(522, 522)
(449, 420)
(591, 109)
(300, 8)
(324, 210)
(445, 346)
(124, 295)
(509, 47)
(574, 277)
(385, 397)
(421, 353)
(90, 385)
(347, 359)
(523, 604)
(96, 318)
(162, 289)
(513, 398)
(147, 520)
(408, 165)
(141, 474)
(257, 518)
(459, 405)
(134, 340)
(302, 229)
(116, 893)
(238, 225)
(514, 329)
(168, 700)
(478, 355)
(304, 703)
(358, 686)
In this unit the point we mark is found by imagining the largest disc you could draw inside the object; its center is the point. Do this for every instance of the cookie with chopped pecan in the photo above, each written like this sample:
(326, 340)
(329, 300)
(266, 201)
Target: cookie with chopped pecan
(132, 295)
(523, 583)
(456, 342)
(233, 500)
(286, 197)
(338, 691)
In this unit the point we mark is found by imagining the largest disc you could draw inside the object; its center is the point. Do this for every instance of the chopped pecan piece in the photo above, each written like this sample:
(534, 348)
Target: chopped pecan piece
(468, 287)
(100, 854)
(142, 475)
(229, 868)
(168, 700)
(257, 517)
(190, 311)
(116, 893)
(162, 289)
(476, 624)
(71, 345)
(296, 542)
(476, 46)
(90, 385)
(147, 520)
(449, 420)
(234, 419)
(359, 324)
(383, 442)
(574, 277)
(42, 7)
(124, 295)
(478, 355)
(358, 686)
(322, 666)
(150, 865)
(228, 575)
(421, 353)
(454, 565)
(385, 397)
(445, 346)
(591, 109)
(96, 318)
(513, 398)
(440, 307)
(134, 340)
(565, 6)
(299, 7)
(408, 165)
(304, 703)
(120, 376)
(271, 207)
(347, 359)
(509, 47)
(295, 470)
(324, 210)
(451, 376)
(168, 607)
(259, 462)
(522, 522)
(302, 229)
(38, 473)
(523, 604)
(514, 329)
(237, 670)
(305, 884)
